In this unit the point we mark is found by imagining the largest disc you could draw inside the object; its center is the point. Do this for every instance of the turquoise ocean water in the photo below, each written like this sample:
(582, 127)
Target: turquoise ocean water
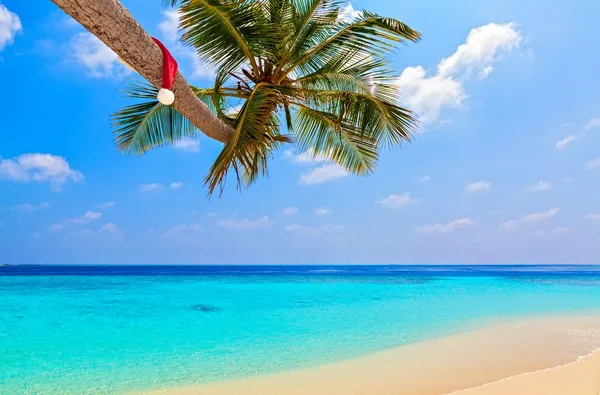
(118, 329)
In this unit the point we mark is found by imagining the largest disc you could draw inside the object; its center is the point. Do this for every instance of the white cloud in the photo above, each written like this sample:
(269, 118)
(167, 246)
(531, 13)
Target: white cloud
(151, 187)
(245, 224)
(530, 218)
(107, 205)
(592, 217)
(554, 232)
(398, 201)
(535, 217)
(169, 27)
(10, 26)
(429, 95)
(308, 157)
(183, 232)
(110, 227)
(30, 208)
(483, 74)
(425, 179)
(562, 144)
(322, 211)
(478, 186)
(446, 228)
(560, 230)
(303, 229)
(86, 218)
(326, 172)
(39, 168)
(100, 60)
(176, 185)
(323, 174)
(593, 124)
(510, 225)
(593, 164)
(484, 46)
(348, 13)
(289, 211)
(541, 186)
(187, 144)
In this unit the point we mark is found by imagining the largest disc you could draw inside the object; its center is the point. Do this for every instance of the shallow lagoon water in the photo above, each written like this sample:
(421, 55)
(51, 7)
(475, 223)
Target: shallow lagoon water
(115, 329)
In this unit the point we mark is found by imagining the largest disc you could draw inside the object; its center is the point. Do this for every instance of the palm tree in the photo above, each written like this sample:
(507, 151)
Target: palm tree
(289, 63)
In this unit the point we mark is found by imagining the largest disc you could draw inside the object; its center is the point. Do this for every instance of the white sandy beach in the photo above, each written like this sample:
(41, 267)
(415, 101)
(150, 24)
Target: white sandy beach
(528, 356)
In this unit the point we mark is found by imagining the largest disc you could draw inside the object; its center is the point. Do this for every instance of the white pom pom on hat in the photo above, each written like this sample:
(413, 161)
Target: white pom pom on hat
(165, 94)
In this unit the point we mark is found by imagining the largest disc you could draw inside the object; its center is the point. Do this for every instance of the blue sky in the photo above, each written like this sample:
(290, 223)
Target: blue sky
(505, 169)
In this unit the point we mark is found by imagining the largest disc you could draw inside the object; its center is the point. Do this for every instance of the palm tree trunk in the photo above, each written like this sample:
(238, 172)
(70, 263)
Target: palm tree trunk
(117, 28)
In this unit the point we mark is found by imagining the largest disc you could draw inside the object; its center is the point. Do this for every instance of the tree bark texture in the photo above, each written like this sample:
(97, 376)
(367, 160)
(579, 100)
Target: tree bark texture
(117, 28)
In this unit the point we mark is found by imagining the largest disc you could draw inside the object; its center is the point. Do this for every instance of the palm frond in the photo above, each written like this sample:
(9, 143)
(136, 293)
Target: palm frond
(226, 33)
(249, 148)
(374, 113)
(308, 18)
(369, 34)
(146, 125)
(323, 134)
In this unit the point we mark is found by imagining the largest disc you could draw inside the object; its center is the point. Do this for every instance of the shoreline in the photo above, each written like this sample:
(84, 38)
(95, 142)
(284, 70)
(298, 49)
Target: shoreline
(495, 387)
(476, 362)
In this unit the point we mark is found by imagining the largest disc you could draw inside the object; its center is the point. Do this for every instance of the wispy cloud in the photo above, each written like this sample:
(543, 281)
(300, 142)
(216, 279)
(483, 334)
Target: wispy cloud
(322, 211)
(176, 185)
(541, 186)
(30, 208)
(39, 168)
(314, 230)
(86, 218)
(99, 60)
(245, 224)
(183, 233)
(592, 217)
(478, 186)
(447, 227)
(593, 164)
(530, 218)
(151, 187)
(593, 124)
(10, 26)
(348, 13)
(398, 201)
(110, 227)
(107, 205)
(554, 232)
(562, 144)
(187, 144)
(323, 174)
(289, 210)
(309, 157)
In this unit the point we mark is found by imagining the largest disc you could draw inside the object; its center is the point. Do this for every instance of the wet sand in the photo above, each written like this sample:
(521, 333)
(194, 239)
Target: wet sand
(495, 360)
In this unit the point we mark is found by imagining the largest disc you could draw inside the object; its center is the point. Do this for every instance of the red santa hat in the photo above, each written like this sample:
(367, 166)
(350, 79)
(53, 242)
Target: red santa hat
(165, 94)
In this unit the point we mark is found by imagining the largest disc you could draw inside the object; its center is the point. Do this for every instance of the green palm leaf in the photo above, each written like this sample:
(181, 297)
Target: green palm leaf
(369, 34)
(146, 125)
(226, 33)
(283, 62)
(321, 133)
(256, 136)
